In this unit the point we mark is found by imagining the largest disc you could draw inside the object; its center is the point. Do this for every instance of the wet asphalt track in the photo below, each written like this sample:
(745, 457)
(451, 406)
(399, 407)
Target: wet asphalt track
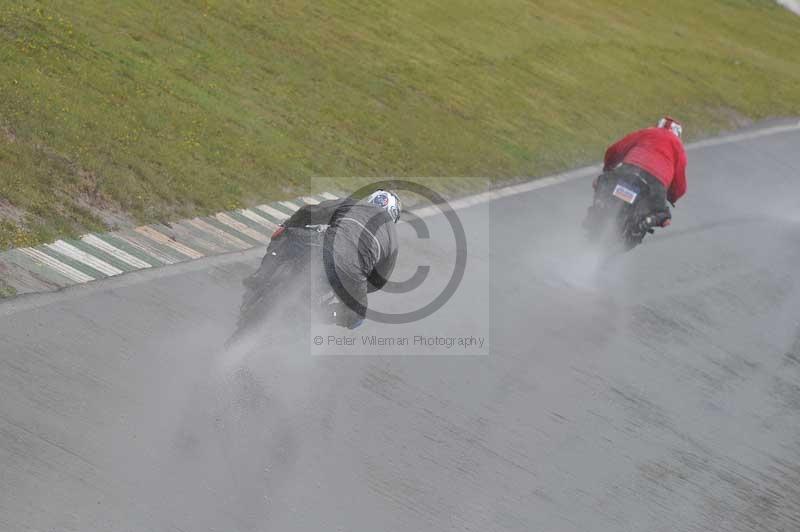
(660, 392)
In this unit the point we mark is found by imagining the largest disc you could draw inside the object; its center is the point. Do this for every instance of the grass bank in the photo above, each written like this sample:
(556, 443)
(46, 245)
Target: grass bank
(113, 113)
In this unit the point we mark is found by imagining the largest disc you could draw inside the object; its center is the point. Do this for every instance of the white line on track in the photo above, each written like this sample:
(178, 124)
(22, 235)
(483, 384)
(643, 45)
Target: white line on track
(736, 137)
(512, 190)
(590, 171)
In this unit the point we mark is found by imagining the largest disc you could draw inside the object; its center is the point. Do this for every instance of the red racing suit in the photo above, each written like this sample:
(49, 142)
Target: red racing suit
(657, 151)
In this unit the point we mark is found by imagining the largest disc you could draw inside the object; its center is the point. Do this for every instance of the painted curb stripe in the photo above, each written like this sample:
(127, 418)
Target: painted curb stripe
(222, 240)
(241, 227)
(64, 269)
(320, 198)
(125, 245)
(115, 252)
(289, 205)
(81, 256)
(282, 208)
(310, 200)
(71, 261)
(219, 233)
(251, 242)
(328, 195)
(164, 240)
(198, 239)
(255, 226)
(274, 214)
(258, 219)
(148, 247)
(24, 280)
(102, 255)
(44, 274)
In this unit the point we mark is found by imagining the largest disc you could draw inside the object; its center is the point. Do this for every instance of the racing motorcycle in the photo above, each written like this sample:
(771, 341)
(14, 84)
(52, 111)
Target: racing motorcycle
(290, 284)
(619, 216)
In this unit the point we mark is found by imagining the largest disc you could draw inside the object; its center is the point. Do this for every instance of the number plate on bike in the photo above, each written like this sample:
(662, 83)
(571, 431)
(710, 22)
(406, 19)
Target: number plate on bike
(625, 194)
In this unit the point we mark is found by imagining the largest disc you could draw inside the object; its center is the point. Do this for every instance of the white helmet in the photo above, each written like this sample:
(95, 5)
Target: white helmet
(387, 200)
(673, 125)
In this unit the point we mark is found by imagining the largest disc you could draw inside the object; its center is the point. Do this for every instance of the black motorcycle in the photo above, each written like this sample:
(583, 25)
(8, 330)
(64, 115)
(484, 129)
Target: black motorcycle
(620, 215)
(290, 284)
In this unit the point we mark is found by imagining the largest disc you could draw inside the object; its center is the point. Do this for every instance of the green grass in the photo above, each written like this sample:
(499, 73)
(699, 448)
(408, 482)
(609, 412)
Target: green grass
(134, 111)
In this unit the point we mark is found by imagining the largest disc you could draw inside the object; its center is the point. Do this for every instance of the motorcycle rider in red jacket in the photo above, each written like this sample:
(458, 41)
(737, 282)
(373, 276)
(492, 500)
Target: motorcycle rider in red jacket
(655, 154)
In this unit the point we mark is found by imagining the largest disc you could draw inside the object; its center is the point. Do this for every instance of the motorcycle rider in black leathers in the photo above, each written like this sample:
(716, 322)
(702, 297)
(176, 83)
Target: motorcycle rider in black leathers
(360, 247)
